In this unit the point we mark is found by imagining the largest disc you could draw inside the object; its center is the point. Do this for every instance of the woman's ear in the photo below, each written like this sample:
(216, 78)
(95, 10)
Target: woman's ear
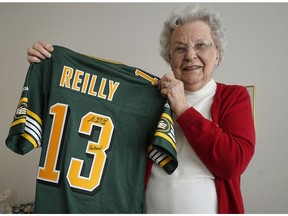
(217, 58)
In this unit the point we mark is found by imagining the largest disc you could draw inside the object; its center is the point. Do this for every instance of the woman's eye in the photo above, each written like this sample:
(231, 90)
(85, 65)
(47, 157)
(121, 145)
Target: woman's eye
(180, 49)
(199, 45)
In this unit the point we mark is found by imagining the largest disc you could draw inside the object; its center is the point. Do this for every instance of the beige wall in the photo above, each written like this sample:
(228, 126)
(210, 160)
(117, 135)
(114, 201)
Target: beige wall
(257, 54)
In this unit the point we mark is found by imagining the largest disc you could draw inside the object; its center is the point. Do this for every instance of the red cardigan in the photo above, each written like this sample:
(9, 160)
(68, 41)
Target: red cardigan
(225, 145)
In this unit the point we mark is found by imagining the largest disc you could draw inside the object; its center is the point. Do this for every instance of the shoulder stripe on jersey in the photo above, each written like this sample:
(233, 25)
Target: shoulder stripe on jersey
(36, 117)
(164, 162)
(30, 139)
(34, 125)
(33, 134)
(19, 121)
(166, 137)
(33, 129)
(158, 157)
(23, 99)
(165, 115)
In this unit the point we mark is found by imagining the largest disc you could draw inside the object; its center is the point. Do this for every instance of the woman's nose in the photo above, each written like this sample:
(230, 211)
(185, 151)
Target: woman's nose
(190, 53)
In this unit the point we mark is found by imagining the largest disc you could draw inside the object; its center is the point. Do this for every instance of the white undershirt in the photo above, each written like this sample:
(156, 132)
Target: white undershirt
(191, 188)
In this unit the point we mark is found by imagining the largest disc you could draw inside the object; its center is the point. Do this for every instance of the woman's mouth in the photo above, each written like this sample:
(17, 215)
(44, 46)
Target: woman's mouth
(192, 68)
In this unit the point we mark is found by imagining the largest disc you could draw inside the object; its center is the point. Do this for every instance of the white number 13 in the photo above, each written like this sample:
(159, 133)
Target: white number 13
(49, 173)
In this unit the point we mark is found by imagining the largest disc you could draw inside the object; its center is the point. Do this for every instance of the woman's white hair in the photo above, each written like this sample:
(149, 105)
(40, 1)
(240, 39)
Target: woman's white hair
(191, 13)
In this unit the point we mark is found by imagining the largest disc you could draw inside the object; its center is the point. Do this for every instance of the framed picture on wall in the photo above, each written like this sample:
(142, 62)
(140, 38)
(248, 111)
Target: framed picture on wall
(251, 91)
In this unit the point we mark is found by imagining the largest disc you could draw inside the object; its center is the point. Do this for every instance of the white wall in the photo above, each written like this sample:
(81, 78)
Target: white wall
(128, 32)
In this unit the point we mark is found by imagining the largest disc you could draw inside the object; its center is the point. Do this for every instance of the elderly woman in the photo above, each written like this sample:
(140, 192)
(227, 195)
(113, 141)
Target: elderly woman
(214, 127)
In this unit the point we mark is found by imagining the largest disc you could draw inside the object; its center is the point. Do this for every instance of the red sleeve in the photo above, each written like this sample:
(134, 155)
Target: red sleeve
(226, 144)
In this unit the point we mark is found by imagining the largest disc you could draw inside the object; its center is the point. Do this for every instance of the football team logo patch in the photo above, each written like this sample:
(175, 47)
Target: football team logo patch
(164, 125)
(21, 110)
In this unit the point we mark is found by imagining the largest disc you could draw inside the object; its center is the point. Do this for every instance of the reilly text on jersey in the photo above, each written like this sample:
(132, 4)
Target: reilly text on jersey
(86, 83)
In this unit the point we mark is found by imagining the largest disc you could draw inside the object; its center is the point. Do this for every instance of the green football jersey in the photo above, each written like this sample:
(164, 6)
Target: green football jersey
(94, 121)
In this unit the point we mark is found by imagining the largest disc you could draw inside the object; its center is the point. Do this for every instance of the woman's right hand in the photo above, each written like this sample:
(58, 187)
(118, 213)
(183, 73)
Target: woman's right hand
(39, 51)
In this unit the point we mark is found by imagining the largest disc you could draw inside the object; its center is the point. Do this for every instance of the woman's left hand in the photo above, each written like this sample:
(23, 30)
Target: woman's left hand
(173, 89)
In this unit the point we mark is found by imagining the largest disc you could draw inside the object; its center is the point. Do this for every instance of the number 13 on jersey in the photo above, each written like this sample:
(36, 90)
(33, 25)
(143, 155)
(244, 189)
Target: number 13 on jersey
(49, 172)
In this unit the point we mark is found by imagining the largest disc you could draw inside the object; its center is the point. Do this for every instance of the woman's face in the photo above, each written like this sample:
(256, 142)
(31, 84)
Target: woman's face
(193, 55)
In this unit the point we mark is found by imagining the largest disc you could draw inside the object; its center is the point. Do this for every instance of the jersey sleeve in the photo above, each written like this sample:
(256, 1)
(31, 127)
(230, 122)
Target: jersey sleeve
(163, 147)
(25, 132)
